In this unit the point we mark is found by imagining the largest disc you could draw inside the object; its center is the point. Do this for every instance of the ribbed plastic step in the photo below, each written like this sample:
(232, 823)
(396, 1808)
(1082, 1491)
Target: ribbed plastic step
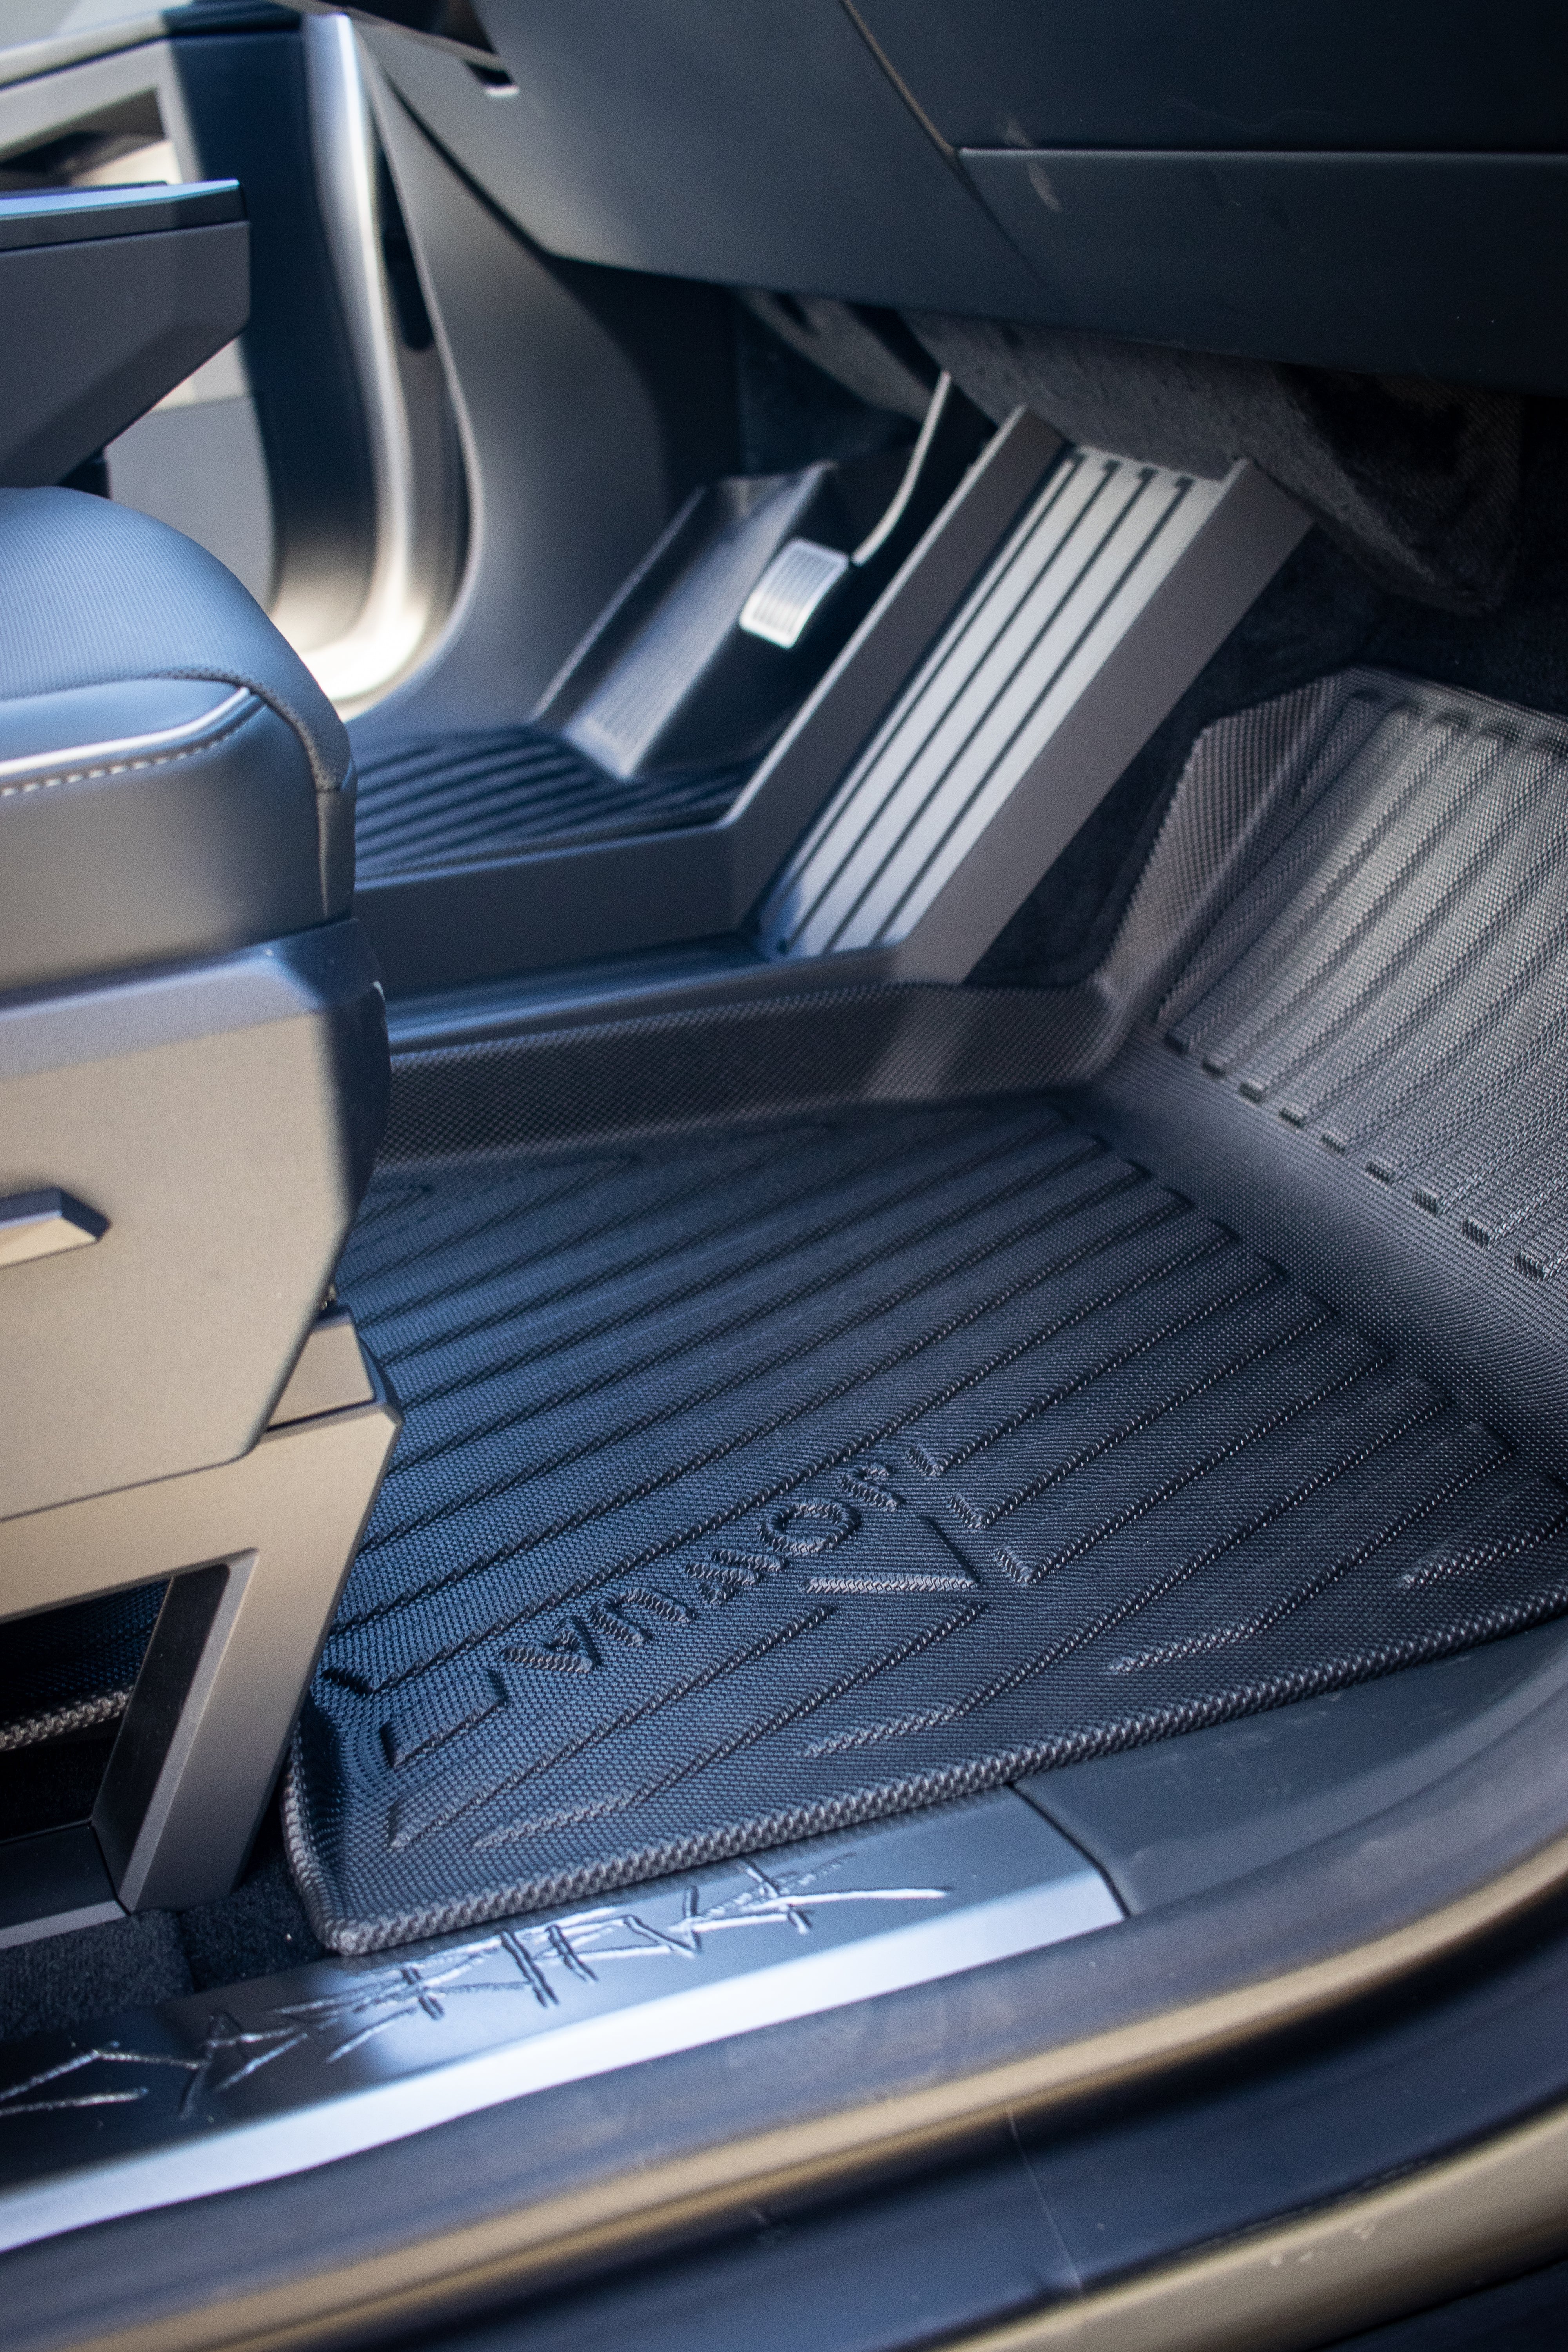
(1119, 582)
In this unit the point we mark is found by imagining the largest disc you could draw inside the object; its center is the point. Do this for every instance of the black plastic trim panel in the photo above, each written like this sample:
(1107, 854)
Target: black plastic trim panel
(1409, 264)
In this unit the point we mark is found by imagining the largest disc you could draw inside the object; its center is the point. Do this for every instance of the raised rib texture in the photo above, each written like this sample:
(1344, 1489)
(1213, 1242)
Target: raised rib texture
(1395, 985)
(777, 1481)
(960, 740)
(485, 794)
(1364, 1063)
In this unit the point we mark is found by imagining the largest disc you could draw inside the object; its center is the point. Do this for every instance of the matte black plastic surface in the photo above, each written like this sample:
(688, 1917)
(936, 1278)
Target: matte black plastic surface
(236, 1641)
(53, 1882)
(573, 993)
(453, 22)
(73, 215)
(1167, 1820)
(98, 330)
(1226, 73)
(224, 1116)
(760, 147)
(1369, 191)
(593, 401)
(259, 1548)
(876, 2274)
(523, 909)
(667, 680)
(1409, 264)
(1522, 2315)
(330, 1373)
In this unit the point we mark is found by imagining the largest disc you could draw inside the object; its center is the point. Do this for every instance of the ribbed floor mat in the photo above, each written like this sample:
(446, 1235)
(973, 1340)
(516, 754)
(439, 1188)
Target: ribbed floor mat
(760, 1485)
(480, 794)
(1366, 1063)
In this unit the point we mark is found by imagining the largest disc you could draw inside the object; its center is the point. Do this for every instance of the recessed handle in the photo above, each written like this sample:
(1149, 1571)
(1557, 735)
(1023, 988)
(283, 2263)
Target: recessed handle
(41, 1225)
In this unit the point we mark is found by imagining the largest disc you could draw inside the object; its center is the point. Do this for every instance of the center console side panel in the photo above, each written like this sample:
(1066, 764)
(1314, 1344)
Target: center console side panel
(221, 1119)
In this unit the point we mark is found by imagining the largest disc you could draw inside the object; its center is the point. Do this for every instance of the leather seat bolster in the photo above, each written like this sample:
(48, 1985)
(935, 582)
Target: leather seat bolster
(91, 593)
(155, 820)
(174, 783)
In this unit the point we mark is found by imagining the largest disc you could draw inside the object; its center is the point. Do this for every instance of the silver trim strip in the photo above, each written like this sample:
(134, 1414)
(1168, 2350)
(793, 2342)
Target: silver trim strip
(224, 2091)
(407, 595)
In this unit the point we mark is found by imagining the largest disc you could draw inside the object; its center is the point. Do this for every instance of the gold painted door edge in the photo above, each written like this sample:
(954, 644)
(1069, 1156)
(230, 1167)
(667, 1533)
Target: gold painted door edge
(682, 2195)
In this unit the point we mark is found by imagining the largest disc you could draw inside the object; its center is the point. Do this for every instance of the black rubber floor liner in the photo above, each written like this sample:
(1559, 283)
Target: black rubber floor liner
(483, 794)
(769, 1483)
(1365, 1064)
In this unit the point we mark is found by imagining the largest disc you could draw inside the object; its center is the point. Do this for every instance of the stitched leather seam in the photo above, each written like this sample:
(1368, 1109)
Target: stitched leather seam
(127, 767)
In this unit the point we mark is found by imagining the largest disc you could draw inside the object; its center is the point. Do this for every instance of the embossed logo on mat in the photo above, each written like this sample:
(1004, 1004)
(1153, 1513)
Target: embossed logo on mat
(868, 1539)
(864, 1538)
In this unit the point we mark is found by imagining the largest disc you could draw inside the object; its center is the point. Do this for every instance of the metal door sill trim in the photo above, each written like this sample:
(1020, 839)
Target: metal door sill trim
(222, 2092)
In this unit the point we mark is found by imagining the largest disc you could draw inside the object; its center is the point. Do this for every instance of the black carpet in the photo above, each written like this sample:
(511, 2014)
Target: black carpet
(774, 1482)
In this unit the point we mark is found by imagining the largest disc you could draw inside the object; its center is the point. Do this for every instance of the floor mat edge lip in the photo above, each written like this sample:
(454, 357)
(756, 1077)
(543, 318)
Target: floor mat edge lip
(879, 1801)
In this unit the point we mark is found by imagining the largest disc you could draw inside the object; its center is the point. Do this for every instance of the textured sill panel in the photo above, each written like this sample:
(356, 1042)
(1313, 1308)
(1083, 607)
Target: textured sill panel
(222, 2089)
(485, 794)
(764, 1484)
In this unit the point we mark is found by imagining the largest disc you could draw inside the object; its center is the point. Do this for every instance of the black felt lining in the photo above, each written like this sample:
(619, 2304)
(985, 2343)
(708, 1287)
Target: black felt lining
(62, 1982)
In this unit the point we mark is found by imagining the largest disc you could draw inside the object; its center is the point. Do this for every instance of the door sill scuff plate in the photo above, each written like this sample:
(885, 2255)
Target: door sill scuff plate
(220, 2091)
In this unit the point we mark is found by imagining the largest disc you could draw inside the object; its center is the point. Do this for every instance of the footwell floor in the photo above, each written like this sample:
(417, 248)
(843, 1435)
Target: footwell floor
(488, 793)
(772, 1482)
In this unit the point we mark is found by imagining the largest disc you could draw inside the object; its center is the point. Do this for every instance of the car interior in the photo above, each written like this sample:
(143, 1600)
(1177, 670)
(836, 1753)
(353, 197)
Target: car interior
(783, 1220)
